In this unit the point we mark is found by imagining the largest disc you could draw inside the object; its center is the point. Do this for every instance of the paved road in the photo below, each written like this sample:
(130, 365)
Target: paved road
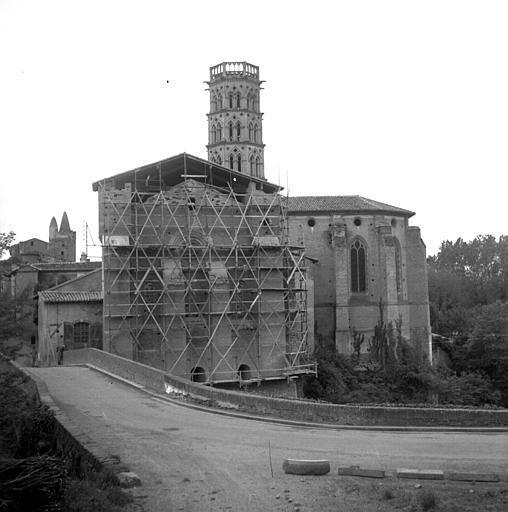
(194, 461)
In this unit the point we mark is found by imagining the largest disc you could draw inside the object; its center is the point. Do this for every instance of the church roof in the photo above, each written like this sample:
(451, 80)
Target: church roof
(171, 171)
(343, 205)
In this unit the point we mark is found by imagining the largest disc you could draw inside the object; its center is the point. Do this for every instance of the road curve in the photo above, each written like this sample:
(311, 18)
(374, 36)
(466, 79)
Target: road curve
(193, 461)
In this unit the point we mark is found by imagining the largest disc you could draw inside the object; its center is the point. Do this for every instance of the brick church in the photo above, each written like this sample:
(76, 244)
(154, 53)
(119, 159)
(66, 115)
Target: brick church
(365, 253)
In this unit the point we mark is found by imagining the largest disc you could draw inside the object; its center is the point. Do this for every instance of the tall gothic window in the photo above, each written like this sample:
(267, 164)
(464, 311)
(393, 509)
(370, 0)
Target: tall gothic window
(256, 132)
(239, 163)
(218, 160)
(219, 132)
(214, 134)
(252, 163)
(238, 130)
(214, 103)
(358, 280)
(237, 100)
(398, 267)
(231, 130)
(258, 167)
(231, 161)
(251, 132)
(231, 99)
(219, 101)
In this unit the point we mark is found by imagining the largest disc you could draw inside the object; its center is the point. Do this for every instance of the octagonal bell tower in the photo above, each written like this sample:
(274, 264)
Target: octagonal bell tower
(235, 134)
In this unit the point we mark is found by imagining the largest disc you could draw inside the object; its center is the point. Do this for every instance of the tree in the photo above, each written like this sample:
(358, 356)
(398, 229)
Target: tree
(6, 240)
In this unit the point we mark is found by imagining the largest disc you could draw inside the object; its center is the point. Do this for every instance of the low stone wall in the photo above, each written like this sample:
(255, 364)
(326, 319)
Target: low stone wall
(300, 410)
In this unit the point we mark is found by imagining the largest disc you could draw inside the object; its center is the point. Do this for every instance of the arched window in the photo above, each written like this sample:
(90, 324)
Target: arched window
(252, 163)
(214, 103)
(358, 278)
(238, 130)
(239, 163)
(231, 161)
(218, 160)
(258, 166)
(398, 267)
(250, 101)
(230, 130)
(219, 132)
(251, 132)
(219, 101)
(237, 100)
(255, 133)
(214, 134)
(231, 99)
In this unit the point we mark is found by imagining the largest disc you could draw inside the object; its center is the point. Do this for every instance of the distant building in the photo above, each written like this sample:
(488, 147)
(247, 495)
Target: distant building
(61, 246)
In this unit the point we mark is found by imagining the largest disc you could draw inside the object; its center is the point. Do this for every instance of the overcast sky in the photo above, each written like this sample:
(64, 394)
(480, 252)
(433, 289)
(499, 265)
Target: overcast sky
(403, 102)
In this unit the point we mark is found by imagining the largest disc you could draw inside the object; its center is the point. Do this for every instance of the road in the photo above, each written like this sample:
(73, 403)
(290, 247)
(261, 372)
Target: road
(194, 461)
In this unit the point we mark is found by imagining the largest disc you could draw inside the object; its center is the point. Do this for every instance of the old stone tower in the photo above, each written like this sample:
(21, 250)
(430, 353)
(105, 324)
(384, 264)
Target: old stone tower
(235, 122)
(62, 242)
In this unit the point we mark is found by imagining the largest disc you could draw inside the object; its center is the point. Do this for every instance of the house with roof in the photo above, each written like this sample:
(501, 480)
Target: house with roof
(70, 315)
(368, 262)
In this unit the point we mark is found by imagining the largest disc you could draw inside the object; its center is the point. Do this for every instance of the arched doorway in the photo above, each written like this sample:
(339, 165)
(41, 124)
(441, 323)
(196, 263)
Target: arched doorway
(244, 372)
(198, 374)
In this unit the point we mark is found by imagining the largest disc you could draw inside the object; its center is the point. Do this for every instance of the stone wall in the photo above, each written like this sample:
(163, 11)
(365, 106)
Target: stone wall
(299, 410)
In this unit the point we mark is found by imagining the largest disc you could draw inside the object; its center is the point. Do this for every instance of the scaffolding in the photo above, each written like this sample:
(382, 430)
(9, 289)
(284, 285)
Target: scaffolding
(199, 276)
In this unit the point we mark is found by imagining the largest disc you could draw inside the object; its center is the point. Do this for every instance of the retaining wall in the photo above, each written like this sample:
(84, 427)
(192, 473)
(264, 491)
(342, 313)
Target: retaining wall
(161, 382)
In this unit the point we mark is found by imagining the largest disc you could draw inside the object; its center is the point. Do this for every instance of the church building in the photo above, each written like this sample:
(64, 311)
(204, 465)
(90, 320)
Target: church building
(368, 260)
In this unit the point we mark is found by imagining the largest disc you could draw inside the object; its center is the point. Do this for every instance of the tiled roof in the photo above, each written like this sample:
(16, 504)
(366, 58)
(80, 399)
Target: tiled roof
(343, 204)
(68, 266)
(62, 296)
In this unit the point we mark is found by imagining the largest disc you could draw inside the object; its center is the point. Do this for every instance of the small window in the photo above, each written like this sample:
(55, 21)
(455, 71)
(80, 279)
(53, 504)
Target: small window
(61, 253)
(357, 221)
(81, 332)
(394, 223)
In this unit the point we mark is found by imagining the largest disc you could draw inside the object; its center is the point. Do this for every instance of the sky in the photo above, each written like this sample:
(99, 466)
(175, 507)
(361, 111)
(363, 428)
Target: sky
(404, 102)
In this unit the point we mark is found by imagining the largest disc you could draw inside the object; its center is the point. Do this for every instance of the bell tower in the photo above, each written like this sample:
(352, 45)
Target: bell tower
(235, 135)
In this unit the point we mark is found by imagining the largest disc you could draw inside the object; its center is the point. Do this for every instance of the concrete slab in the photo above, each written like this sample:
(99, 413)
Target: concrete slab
(420, 474)
(363, 472)
(473, 477)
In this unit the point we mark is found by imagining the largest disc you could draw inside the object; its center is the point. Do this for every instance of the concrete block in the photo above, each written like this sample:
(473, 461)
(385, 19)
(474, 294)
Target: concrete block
(473, 477)
(306, 467)
(420, 474)
(358, 471)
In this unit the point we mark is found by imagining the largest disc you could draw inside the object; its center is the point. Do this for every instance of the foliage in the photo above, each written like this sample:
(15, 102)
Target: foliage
(6, 240)
(15, 314)
(468, 293)
(464, 275)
